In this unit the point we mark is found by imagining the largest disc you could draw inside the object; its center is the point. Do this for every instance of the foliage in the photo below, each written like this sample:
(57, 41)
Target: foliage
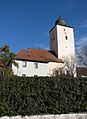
(7, 59)
(42, 95)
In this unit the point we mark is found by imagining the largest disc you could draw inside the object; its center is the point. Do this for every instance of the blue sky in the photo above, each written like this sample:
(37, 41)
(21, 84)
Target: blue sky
(26, 23)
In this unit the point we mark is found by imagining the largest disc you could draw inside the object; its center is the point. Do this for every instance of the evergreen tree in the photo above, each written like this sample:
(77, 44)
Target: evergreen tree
(7, 59)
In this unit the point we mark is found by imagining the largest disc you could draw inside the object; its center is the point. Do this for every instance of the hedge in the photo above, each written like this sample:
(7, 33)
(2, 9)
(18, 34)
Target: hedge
(42, 95)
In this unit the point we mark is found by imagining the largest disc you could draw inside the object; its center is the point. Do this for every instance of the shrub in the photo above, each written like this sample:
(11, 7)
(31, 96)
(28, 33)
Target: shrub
(42, 95)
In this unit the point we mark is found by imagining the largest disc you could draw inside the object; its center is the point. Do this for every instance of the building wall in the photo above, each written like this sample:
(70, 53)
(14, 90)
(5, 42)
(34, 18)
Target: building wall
(54, 66)
(44, 69)
(56, 116)
(30, 69)
(81, 71)
(65, 46)
(63, 43)
(53, 41)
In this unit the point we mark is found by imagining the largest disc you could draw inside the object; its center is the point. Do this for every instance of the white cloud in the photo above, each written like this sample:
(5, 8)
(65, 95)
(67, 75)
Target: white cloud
(82, 41)
(81, 34)
(81, 26)
(46, 34)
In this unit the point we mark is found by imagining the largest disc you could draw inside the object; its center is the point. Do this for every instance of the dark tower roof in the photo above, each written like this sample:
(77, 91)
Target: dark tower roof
(60, 21)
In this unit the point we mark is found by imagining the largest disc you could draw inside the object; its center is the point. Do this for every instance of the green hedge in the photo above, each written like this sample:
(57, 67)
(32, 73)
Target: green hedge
(31, 96)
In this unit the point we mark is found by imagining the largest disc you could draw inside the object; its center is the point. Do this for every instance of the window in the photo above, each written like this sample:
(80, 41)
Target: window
(24, 64)
(35, 76)
(24, 75)
(66, 37)
(64, 29)
(53, 37)
(35, 65)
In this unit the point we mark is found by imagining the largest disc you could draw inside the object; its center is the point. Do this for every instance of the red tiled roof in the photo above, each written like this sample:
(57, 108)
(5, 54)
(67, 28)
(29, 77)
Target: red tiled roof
(37, 55)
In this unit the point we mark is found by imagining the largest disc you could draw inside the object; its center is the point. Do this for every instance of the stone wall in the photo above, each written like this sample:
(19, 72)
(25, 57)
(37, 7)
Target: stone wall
(62, 116)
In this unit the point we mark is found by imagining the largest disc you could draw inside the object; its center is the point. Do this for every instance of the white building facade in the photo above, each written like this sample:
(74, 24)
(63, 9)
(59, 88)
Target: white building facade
(35, 68)
(37, 62)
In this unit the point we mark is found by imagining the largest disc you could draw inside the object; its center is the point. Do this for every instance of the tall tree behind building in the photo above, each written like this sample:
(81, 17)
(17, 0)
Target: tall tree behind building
(7, 59)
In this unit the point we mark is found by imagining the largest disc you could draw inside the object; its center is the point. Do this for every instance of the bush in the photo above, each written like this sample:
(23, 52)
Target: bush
(42, 95)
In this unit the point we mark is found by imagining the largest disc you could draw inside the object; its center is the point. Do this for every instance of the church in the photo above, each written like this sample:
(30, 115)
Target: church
(39, 62)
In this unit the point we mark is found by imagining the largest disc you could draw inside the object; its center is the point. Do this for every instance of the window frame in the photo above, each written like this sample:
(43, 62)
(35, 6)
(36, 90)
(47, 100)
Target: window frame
(66, 37)
(24, 64)
(23, 75)
(36, 65)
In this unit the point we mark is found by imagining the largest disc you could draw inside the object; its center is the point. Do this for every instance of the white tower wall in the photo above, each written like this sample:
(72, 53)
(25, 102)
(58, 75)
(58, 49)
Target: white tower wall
(62, 41)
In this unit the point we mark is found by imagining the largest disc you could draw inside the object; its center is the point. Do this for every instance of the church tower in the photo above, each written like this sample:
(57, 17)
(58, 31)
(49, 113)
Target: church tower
(62, 39)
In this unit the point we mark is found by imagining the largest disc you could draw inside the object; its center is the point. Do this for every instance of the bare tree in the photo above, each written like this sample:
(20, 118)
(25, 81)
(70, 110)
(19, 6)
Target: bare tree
(82, 56)
(70, 65)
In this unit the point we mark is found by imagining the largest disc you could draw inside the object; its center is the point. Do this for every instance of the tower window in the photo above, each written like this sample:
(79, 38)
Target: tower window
(66, 37)
(53, 37)
(64, 29)
(35, 65)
